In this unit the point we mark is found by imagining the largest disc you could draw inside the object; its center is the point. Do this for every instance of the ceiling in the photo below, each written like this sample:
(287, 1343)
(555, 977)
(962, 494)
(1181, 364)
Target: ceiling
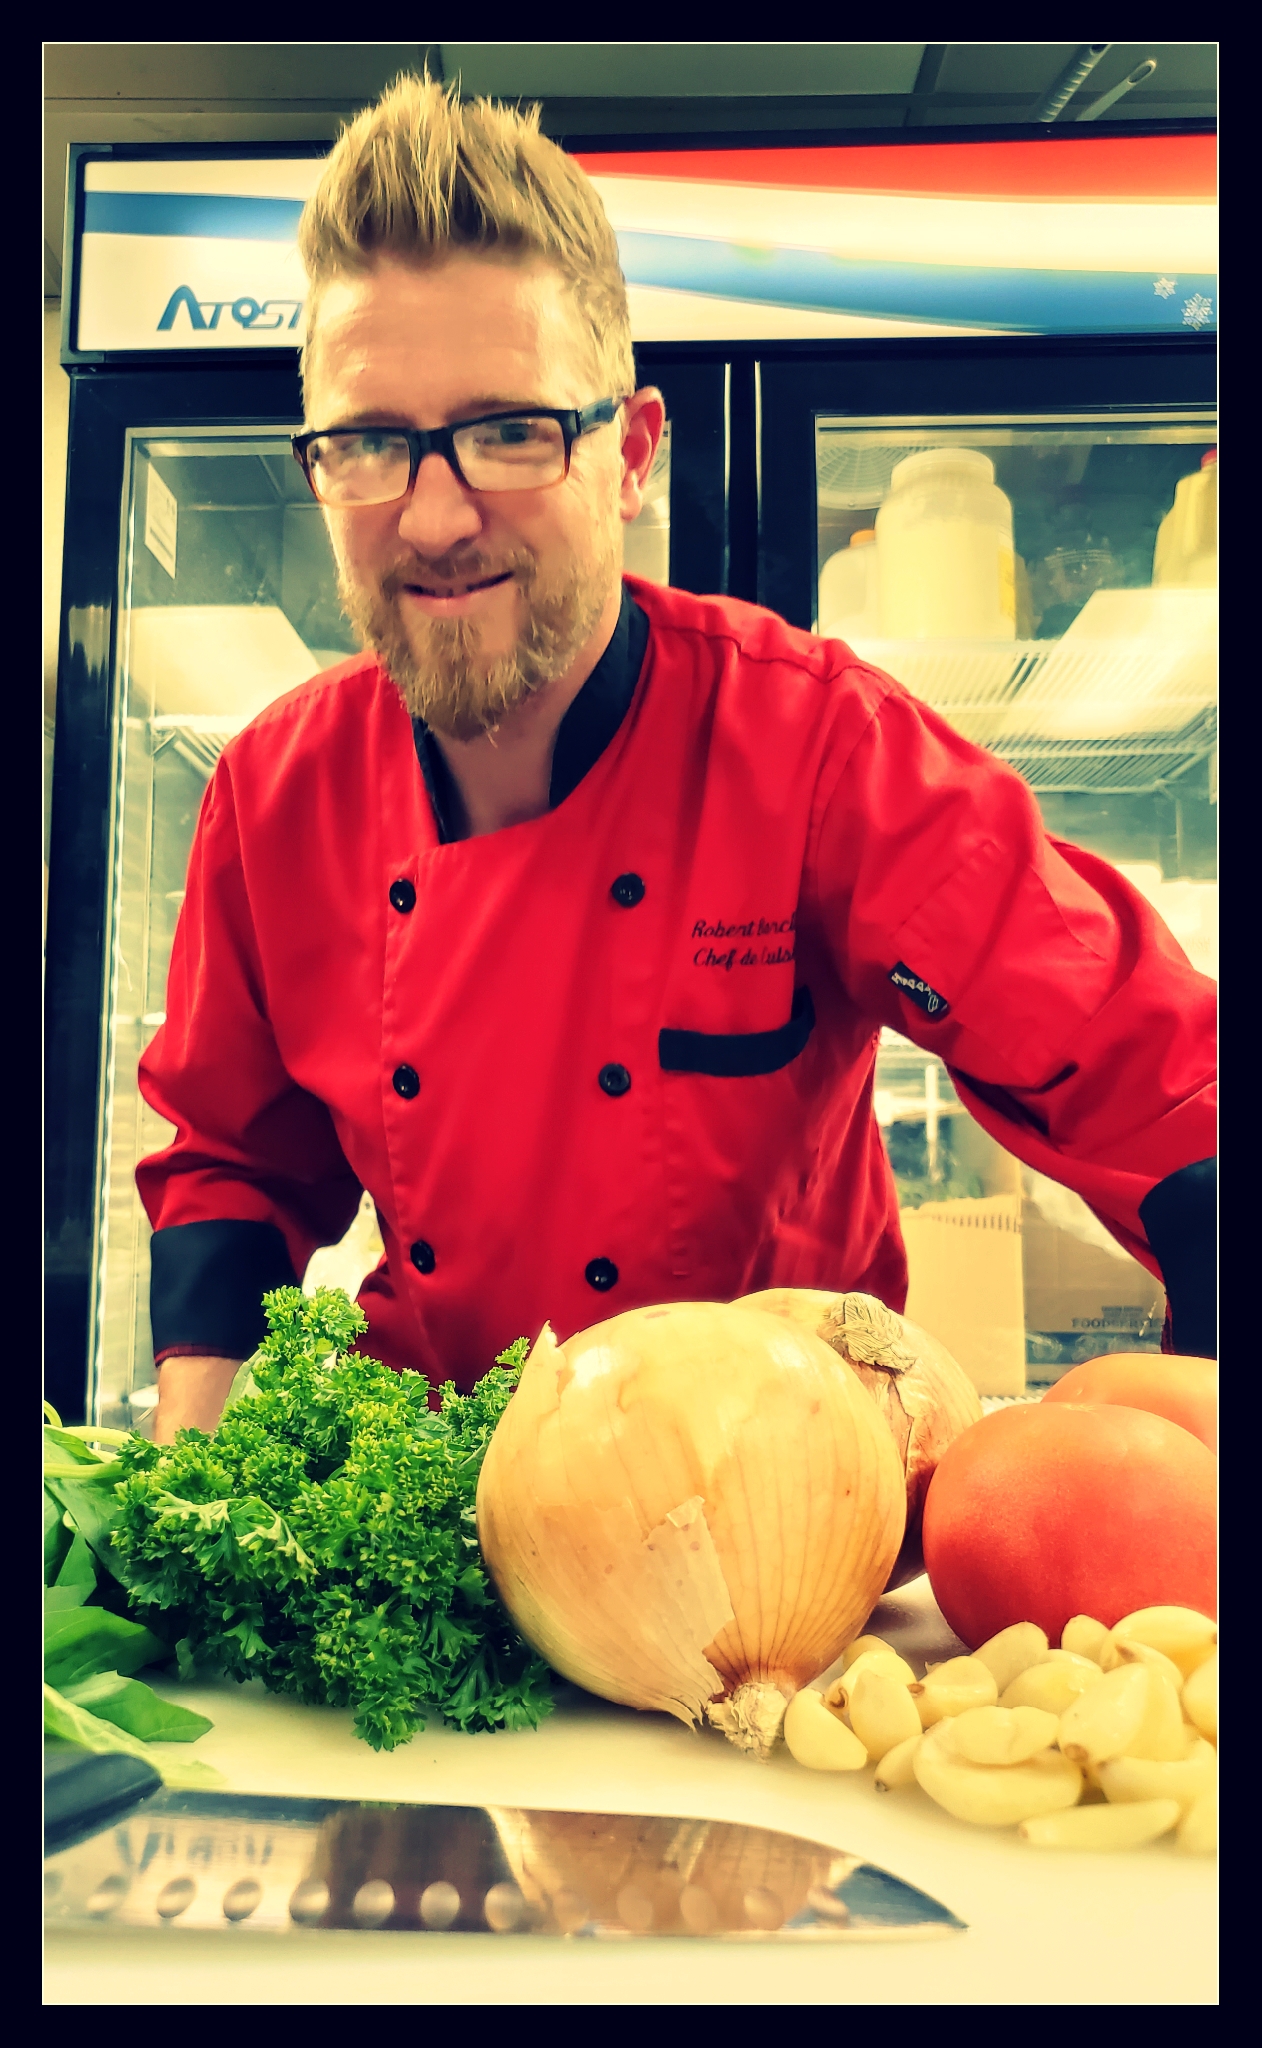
(302, 92)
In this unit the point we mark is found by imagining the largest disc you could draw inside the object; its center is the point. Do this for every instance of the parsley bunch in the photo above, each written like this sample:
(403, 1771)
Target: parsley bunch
(324, 1538)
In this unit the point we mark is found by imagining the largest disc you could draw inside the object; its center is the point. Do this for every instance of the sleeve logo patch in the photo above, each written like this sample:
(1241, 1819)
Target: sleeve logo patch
(919, 992)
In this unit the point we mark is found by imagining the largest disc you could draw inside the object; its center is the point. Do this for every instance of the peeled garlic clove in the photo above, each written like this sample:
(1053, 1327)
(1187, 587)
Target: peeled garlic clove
(1125, 1652)
(885, 1661)
(1085, 1636)
(1198, 1830)
(1013, 1651)
(860, 1647)
(882, 1712)
(1200, 1698)
(1128, 1778)
(1101, 1827)
(816, 1738)
(1180, 1633)
(1054, 1684)
(1002, 1735)
(991, 1797)
(897, 1766)
(1163, 1733)
(1102, 1721)
(952, 1688)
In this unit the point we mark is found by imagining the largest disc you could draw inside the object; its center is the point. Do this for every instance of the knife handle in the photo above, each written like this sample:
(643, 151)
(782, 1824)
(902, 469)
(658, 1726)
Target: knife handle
(84, 1791)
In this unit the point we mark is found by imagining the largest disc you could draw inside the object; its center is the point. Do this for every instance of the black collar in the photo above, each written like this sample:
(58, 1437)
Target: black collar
(584, 732)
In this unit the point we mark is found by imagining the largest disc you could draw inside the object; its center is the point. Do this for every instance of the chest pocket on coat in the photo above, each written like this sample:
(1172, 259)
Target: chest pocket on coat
(733, 1053)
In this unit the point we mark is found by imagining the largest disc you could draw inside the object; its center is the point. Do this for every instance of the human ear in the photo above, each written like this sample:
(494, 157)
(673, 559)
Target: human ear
(643, 418)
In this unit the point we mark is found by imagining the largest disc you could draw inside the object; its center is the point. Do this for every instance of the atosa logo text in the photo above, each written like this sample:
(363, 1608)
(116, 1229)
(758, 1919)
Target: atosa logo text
(255, 316)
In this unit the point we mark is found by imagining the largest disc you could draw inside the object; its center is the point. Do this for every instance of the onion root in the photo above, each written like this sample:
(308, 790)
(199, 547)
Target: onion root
(752, 1718)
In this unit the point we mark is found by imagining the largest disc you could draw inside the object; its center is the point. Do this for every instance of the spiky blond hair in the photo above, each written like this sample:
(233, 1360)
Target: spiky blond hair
(419, 174)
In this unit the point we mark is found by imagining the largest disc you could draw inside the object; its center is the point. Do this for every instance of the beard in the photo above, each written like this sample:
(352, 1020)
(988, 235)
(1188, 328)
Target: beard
(438, 665)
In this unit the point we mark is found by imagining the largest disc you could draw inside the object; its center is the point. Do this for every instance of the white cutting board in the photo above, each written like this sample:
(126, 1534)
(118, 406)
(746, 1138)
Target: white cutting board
(1045, 1927)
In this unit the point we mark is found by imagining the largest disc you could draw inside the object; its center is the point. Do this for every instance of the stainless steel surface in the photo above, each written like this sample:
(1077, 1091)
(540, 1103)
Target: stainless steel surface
(208, 1860)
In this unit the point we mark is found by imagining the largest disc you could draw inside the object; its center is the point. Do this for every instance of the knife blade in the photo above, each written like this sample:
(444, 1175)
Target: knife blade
(280, 1865)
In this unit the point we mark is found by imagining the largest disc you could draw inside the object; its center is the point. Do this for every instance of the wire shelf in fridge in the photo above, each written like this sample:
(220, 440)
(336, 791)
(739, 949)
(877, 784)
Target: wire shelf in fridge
(1127, 713)
(197, 737)
(1112, 768)
(1110, 715)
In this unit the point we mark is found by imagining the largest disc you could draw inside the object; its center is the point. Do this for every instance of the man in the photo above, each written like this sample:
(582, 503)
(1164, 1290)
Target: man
(566, 919)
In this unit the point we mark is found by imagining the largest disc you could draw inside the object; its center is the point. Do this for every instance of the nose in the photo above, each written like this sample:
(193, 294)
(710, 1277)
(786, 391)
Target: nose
(439, 513)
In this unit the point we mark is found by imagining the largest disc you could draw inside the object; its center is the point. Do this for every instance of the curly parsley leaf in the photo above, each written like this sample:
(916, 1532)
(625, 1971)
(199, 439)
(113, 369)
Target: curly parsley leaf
(324, 1538)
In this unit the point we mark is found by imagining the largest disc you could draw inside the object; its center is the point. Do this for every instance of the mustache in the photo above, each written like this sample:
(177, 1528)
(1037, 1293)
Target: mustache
(456, 568)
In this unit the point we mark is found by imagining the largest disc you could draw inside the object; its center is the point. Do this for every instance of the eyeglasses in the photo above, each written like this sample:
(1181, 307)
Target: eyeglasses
(517, 451)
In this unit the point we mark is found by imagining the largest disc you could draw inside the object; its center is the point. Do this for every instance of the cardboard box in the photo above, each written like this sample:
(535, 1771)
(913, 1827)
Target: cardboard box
(1025, 1260)
(1078, 1279)
(965, 1285)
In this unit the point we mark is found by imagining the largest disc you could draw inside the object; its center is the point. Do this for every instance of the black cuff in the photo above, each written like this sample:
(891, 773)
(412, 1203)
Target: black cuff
(1180, 1219)
(207, 1282)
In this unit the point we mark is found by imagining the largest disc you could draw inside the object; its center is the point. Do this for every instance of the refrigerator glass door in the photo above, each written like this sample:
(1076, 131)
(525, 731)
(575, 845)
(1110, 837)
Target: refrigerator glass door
(1049, 586)
(228, 598)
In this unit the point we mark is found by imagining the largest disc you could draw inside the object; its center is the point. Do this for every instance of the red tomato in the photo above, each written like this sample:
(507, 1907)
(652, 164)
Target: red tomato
(1038, 1513)
(1184, 1390)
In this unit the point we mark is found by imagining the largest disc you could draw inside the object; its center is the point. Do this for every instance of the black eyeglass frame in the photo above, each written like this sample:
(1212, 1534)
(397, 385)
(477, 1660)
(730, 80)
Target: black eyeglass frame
(423, 441)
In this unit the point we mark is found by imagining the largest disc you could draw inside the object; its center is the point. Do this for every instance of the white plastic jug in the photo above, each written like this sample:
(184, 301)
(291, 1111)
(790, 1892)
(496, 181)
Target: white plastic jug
(847, 591)
(945, 561)
(646, 540)
(1186, 554)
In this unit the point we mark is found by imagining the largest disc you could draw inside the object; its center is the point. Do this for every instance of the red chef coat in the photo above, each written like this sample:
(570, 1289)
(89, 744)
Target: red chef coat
(569, 1099)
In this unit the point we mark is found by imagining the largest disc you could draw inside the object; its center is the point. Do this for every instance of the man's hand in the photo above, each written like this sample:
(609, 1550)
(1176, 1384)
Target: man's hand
(191, 1394)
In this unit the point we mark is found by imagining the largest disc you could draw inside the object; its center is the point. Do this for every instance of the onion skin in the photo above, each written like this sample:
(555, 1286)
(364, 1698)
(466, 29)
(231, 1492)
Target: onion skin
(689, 1503)
(926, 1398)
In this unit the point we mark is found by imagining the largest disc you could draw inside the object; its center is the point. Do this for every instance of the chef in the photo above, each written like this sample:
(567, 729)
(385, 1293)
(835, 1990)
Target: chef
(565, 919)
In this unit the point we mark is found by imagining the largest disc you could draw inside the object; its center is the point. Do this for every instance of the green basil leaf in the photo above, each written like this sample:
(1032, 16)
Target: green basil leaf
(132, 1705)
(60, 1599)
(88, 1498)
(67, 1446)
(57, 1537)
(66, 1722)
(86, 1640)
(77, 1568)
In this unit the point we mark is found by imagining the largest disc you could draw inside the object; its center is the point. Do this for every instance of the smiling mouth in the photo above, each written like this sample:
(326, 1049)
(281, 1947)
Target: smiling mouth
(458, 589)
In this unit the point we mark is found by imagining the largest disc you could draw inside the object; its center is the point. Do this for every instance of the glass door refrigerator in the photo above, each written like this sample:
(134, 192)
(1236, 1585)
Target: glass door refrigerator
(198, 585)
(982, 377)
(800, 367)
(1026, 539)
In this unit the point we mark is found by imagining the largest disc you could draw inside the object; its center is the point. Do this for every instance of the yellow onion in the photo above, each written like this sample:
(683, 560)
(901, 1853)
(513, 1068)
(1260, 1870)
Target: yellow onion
(925, 1397)
(690, 1508)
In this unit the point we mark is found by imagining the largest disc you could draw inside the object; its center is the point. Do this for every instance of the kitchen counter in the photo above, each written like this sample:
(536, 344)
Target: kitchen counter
(1044, 1927)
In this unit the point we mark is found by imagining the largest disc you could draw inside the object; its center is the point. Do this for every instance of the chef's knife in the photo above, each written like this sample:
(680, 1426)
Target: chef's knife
(221, 1860)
